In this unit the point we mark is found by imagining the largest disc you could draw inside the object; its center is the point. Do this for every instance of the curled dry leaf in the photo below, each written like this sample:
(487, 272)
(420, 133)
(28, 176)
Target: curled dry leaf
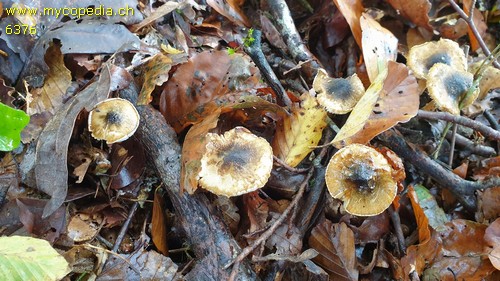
(492, 238)
(379, 46)
(231, 10)
(159, 231)
(392, 98)
(352, 11)
(337, 253)
(298, 133)
(418, 256)
(416, 11)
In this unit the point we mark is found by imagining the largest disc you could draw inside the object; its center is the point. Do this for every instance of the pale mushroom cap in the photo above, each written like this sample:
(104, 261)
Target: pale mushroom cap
(447, 86)
(338, 95)
(235, 163)
(113, 120)
(422, 57)
(362, 178)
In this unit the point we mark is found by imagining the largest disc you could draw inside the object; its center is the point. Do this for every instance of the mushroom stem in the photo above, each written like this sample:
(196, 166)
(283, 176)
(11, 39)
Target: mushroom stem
(461, 120)
(462, 189)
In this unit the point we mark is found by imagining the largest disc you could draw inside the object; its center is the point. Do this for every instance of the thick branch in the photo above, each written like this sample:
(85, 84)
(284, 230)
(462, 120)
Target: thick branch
(463, 189)
(207, 234)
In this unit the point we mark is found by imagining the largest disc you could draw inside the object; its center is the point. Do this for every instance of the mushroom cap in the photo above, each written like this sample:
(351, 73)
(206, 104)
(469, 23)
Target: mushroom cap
(422, 57)
(338, 95)
(235, 163)
(113, 120)
(447, 86)
(361, 177)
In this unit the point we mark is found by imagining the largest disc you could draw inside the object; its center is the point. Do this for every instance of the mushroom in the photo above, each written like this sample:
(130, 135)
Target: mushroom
(447, 86)
(362, 178)
(113, 120)
(422, 57)
(338, 95)
(235, 163)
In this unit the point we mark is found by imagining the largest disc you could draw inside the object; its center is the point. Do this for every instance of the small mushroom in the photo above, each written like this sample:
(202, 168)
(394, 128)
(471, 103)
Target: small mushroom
(422, 57)
(361, 177)
(338, 95)
(235, 163)
(113, 120)
(447, 86)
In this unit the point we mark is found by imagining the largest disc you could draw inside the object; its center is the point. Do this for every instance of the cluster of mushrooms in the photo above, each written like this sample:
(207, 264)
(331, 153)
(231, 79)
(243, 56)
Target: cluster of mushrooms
(357, 174)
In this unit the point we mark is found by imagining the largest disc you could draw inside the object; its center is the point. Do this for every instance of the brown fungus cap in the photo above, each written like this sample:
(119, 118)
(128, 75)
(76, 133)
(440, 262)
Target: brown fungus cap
(113, 120)
(422, 57)
(361, 177)
(235, 163)
(447, 86)
(338, 95)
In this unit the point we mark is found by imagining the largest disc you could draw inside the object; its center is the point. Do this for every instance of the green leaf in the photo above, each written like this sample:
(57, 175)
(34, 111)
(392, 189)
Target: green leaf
(26, 258)
(13, 121)
(436, 215)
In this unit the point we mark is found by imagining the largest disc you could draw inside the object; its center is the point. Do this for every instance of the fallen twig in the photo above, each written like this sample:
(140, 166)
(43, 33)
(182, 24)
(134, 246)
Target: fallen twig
(473, 28)
(463, 189)
(286, 27)
(254, 50)
(124, 228)
(461, 120)
(473, 148)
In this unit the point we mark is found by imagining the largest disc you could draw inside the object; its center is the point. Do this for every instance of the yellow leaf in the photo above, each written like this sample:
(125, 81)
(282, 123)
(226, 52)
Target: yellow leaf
(155, 73)
(298, 133)
(170, 50)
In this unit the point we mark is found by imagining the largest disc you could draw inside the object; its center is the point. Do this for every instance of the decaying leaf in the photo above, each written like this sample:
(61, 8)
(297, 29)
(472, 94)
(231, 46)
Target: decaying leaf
(392, 98)
(335, 245)
(83, 227)
(492, 238)
(436, 216)
(297, 134)
(51, 170)
(479, 23)
(418, 256)
(231, 10)
(352, 11)
(50, 96)
(416, 11)
(156, 73)
(203, 78)
(379, 46)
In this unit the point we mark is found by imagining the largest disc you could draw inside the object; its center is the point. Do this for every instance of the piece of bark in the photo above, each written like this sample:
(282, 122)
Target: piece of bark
(209, 237)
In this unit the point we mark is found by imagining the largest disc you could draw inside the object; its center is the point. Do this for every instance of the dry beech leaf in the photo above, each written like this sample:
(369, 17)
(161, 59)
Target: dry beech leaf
(82, 227)
(492, 238)
(202, 79)
(50, 97)
(159, 231)
(418, 256)
(298, 133)
(352, 11)
(257, 211)
(379, 46)
(193, 150)
(231, 10)
(392, 98)
(155, 74)
(416, 11)
(335, 245)
(230, 212)
(51, 170)
(163, 10)
(463, 255)
(490, 80)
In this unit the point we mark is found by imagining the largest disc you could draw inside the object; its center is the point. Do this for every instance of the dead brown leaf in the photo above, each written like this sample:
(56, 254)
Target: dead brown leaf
(231, 10)
(416, 11)
(492, 238)
(479, 22)
(159, 231)
(335, 245)
(352, 11)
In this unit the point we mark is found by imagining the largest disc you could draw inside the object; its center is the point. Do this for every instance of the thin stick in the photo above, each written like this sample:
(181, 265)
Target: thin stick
(470, 22)
(247, 250)
(461, 120)
(452, 145)
(124, 228)
(396, 221)
(288, 167)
